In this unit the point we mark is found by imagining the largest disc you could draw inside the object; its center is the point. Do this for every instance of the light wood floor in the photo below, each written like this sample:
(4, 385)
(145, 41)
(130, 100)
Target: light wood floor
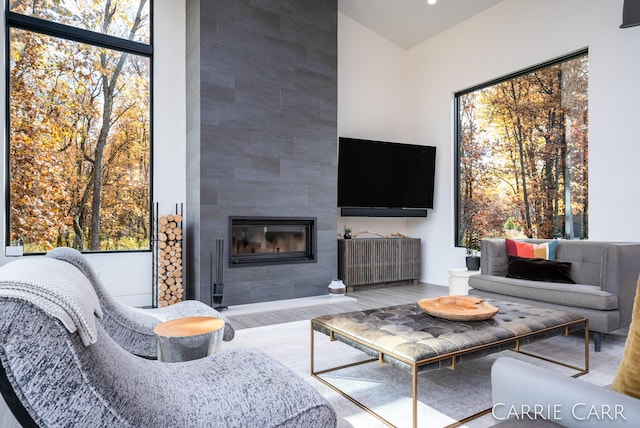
(366, 299)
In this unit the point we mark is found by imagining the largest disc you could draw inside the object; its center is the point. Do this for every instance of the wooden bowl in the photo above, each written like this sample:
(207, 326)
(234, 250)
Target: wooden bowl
(458, 308)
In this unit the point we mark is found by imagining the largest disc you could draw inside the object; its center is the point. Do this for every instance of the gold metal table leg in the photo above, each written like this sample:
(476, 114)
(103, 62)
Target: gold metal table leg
(414, 392)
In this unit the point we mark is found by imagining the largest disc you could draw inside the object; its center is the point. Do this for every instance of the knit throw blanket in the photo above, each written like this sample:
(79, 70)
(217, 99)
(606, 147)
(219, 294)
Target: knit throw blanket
(58, 289)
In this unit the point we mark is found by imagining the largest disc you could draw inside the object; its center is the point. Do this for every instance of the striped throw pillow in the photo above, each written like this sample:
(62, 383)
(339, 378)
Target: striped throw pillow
(533, 251)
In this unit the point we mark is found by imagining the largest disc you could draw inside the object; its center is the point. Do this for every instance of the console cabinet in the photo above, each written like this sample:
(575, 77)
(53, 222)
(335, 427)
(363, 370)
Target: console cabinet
(378, 260)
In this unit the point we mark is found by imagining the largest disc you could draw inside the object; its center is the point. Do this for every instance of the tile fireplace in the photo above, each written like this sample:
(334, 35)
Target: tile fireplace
(261, 141)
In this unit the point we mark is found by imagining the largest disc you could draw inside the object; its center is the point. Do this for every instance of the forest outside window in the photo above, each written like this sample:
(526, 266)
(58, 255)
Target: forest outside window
(522, 151)
(79, 130)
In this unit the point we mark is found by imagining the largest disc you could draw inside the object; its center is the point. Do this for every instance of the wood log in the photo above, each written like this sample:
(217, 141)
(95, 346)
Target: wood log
(169, 263)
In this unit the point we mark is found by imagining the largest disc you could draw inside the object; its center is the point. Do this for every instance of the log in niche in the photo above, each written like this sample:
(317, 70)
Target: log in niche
(170, 289)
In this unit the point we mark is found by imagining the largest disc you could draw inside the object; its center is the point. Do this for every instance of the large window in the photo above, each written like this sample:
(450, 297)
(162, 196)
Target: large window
(522, 154)
(79, 128)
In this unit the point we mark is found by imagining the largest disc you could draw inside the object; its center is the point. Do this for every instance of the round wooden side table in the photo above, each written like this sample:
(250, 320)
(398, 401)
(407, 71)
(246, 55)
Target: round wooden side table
(189, 338)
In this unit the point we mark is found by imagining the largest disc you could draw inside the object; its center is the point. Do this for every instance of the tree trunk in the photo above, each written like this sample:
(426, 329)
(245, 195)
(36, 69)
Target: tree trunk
(109, 88)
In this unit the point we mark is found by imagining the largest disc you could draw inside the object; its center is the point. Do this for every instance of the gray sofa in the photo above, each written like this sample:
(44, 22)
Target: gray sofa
(60, 368)
(605, 274)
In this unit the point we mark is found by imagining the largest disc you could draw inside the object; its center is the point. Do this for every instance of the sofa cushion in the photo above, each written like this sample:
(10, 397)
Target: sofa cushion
(535, 269)
(627, 380)
(545, 250)
(573, 295)
(587, 259)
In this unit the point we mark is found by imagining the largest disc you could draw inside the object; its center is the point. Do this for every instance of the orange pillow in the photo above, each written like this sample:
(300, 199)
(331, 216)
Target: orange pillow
(546, 250)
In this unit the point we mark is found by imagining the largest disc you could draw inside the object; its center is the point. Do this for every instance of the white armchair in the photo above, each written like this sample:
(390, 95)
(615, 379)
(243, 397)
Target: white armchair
(526, 394)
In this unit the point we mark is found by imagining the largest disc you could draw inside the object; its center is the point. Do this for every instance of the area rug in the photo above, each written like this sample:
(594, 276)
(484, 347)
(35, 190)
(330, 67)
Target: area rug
(444, 396)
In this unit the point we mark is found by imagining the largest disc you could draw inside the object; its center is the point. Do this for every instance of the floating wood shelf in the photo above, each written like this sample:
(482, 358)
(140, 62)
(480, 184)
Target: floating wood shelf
(378, 260)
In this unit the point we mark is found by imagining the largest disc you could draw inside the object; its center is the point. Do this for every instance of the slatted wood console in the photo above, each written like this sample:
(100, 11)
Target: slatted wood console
(378, 260)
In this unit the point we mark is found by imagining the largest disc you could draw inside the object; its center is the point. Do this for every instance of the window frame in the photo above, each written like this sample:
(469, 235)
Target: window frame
(79, 35)
(457, 125)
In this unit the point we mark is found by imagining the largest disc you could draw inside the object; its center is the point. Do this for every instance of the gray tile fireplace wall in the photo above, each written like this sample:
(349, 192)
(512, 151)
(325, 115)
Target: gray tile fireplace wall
(261, 137)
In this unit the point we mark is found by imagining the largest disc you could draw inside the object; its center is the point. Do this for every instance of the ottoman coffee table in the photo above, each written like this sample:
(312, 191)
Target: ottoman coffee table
(406, 336)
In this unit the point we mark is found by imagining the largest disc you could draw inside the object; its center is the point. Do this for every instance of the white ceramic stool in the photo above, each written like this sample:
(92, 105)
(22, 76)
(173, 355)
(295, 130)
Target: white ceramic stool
(459, 281)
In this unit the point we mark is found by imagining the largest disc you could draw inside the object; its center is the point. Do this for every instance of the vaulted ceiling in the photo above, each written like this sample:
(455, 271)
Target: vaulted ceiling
(408, 23)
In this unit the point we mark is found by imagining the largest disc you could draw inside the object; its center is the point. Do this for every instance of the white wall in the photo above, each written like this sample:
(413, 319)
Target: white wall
(372, 101)
(510, 36)
(128, 275)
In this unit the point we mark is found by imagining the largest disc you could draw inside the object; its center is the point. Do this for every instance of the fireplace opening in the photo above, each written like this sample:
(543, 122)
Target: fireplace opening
(257, 241)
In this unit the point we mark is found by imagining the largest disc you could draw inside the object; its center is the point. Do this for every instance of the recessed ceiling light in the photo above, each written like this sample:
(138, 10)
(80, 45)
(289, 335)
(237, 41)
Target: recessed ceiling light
(431, 1)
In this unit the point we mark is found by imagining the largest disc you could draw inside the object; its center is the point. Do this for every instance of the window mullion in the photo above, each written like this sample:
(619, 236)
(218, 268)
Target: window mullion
(76, 34)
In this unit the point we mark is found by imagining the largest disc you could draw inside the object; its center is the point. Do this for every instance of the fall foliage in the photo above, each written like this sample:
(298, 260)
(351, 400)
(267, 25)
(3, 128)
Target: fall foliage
(523, 148)
(79, 131)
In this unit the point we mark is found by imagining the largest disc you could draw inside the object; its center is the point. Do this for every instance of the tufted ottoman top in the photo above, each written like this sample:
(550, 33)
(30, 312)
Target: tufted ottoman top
(413, 337)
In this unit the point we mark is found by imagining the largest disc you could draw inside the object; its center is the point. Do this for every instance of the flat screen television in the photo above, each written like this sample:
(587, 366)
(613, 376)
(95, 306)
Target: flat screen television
(385, 179)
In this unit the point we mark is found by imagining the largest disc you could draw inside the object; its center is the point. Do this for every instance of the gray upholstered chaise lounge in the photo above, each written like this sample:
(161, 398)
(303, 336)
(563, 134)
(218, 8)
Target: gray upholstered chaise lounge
(605, 274)
(53, 377)
(132, 328)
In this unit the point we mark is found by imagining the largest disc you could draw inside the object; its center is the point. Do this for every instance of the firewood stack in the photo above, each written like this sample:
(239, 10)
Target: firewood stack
(170, 288)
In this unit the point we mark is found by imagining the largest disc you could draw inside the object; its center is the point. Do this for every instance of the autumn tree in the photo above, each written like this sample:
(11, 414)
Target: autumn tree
(80, 130)
(529, 135)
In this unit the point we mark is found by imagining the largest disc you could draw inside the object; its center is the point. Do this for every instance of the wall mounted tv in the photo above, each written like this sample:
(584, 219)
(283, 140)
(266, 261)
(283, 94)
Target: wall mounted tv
(385, 179)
